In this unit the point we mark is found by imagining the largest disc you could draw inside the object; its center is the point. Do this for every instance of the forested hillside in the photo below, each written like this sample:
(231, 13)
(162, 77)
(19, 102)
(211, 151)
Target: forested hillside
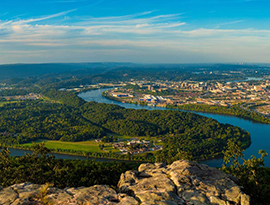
(184, 134)
(31, 120)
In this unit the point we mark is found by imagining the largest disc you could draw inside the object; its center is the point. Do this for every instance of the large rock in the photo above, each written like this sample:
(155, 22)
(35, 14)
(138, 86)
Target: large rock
(150, 185)
(98, 194)
(33, 194)
(182, 182)
(8, 195)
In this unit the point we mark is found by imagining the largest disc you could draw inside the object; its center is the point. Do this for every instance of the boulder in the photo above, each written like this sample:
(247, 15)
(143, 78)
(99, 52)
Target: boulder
(8, 195)
(183, 182)
(98, 194)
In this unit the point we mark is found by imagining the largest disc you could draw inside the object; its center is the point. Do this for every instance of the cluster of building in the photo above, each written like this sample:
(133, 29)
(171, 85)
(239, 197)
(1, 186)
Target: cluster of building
(5, 133)
(83, 88)
(30, 96)
(153, 99)
(121, 95)
(193, 92)
(135, 146)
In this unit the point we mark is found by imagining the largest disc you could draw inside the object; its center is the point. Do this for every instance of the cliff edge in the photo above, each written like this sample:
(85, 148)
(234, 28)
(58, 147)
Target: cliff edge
(182, 182)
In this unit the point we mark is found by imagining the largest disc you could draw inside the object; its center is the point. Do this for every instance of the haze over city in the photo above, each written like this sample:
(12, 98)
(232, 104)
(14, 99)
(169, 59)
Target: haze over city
(143, 32)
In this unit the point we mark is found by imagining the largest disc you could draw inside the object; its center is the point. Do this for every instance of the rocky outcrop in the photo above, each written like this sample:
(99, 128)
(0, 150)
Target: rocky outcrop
(27, 193)
(182, 182)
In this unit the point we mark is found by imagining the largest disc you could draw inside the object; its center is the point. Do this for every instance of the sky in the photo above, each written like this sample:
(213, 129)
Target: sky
(139, 31)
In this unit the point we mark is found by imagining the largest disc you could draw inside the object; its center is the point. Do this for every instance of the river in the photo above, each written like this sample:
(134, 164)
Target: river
(21, 152)
(260, 133)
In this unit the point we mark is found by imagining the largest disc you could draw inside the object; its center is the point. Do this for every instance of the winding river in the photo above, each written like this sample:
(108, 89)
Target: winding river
(260, 133)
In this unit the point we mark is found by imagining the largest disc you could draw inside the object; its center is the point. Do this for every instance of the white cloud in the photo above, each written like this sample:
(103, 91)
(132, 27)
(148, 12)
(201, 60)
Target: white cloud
(225, 32)
(43, 18)
(229, 23)
(132, 33)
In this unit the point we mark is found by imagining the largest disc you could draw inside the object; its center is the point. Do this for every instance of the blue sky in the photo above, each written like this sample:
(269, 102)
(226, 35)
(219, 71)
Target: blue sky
(142, 31)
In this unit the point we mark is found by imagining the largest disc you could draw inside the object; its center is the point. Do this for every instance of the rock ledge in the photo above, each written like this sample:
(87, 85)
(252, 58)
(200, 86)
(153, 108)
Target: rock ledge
(182, 182)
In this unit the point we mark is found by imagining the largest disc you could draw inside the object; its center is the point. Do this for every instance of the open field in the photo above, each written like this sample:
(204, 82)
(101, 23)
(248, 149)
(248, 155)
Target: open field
(126, 137)
(6, 102)
(86, 146)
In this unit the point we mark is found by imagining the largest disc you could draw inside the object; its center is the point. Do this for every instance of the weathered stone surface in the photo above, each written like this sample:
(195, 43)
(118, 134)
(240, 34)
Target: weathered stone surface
(33, 194)
(98, 194)
(181, 183)
(216, 200)
(7, 196)
(26, 190)
(184, 180)
(209, 182)
(56, 196)
(245, 199)
(150, 189)
(150, 185)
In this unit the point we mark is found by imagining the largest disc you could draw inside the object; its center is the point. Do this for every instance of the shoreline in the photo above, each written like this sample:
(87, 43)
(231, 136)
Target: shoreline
(183, 109)
(201, 161)
(79, 155)
(217, 113)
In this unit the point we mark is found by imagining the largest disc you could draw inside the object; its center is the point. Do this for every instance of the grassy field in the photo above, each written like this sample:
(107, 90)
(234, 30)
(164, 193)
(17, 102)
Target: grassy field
(87, 146)
(6, 102)
(121, 137)
(125, 137)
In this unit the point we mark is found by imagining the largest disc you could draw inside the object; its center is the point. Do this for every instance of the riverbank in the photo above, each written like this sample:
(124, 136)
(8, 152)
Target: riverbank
(235, 110)
(230, 111)
(88, 155)
(108, 96)
(20, 151)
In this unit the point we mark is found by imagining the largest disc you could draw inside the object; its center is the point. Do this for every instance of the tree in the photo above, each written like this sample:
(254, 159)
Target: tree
(4, 156)
(233, 154)
(40, 149)
(252, 175)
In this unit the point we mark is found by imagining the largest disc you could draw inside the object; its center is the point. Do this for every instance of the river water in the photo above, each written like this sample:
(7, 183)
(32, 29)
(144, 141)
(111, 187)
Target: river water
(260, 133)
(21, 152)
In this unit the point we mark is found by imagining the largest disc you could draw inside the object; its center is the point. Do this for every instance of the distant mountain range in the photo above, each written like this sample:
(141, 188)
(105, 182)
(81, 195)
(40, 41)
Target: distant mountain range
(118, 70)
(29, 70)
